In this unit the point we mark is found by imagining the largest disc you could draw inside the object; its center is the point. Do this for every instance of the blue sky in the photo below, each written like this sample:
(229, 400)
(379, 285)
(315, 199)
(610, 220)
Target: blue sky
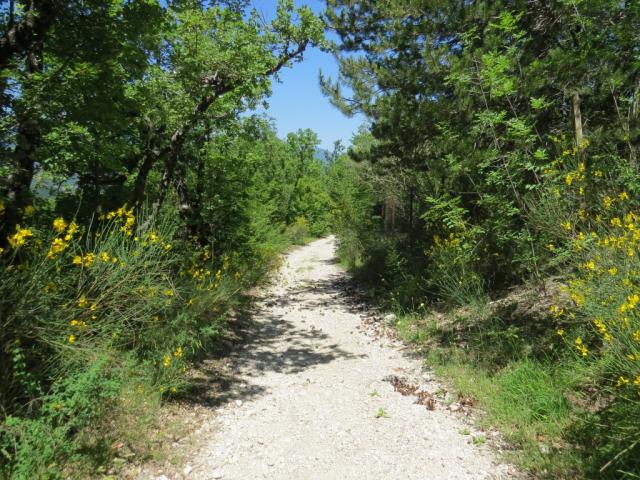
(297, 101)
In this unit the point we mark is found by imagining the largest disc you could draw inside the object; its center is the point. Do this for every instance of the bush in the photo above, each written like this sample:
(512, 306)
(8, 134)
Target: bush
(89, 313)
(298, 233)
(601, 324)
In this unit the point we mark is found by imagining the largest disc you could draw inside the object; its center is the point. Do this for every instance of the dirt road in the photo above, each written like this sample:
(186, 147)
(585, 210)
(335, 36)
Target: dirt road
(313, 396)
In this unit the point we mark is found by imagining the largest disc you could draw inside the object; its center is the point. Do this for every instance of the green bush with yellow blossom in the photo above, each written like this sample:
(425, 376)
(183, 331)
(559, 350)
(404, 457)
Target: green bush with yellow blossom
(118, 305)
(597, 311)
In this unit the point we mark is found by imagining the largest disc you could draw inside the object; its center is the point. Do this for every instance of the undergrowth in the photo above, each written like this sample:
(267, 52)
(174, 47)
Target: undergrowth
(100, 325)
(546, 401)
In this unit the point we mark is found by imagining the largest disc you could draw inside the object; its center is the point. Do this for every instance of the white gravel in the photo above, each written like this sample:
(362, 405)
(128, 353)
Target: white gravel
(310, 400)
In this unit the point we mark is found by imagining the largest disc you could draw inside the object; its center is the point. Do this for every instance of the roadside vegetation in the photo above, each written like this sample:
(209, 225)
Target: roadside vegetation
(492, 202)
(139, 197)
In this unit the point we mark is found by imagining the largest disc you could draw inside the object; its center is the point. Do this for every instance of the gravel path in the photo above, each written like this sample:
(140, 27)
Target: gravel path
(313, 395)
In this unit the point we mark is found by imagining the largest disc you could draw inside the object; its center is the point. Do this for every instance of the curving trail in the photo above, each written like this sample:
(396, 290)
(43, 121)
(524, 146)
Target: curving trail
(309, 395)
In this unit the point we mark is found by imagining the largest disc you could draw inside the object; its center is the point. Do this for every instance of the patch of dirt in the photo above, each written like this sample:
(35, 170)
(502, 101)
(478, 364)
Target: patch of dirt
(405, 388)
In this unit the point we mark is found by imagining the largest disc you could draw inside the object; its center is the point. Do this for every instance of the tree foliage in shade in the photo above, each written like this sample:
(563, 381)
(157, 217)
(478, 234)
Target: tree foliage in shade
(121, 97)
(465, 99)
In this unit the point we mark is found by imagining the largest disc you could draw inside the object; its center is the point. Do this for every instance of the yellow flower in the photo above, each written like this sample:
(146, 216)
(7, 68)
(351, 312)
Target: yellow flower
(168, 292)
(1, 250)
(555, 310)
(579, 341)
(166, 361)
(153, 237)
(155, 318)
(590, 265)
(633, 300)
(600, 325)
(637, 380)
(58, 245)
(566, 225)
(178, 352)
(59, 225)
(622, 381)
(167, 246)
(613, 271)
(623, 196)
(89, 259)
(607, 201)
(74, 323)
(73, 228)
(616, 222)
(560, 332)
(104, 256)
(18, 239)
(77, 260)
(72, 339)
(3, 208)
(578, 298)
(82, 301)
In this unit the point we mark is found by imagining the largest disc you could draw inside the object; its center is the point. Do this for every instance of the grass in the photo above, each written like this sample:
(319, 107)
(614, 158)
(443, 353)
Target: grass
(382, 413)
(525, 402)
(519, 392)
(479, 440)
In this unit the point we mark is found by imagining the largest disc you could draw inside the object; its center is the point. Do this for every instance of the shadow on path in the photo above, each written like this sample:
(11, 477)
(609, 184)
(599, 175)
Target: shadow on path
(259, 340)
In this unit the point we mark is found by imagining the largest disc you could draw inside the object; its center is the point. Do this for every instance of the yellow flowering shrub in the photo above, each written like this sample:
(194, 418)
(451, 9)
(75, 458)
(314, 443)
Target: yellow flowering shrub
(602, 324)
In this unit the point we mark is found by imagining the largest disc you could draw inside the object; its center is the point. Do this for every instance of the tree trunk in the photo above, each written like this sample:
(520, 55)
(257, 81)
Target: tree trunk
(218, 87)
(21, 37)
(577, 119)
(27, 141)
(140, 186)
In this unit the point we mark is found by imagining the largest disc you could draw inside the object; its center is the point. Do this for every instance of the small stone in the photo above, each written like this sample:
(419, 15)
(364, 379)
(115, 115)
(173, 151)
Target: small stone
(187, 470)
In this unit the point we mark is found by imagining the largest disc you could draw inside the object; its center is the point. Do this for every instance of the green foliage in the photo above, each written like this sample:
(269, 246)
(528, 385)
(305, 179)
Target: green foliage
(127, 117)
(86, 314)
(502, 150)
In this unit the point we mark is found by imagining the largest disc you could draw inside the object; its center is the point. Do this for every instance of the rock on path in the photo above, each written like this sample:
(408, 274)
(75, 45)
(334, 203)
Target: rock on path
(311, 397)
